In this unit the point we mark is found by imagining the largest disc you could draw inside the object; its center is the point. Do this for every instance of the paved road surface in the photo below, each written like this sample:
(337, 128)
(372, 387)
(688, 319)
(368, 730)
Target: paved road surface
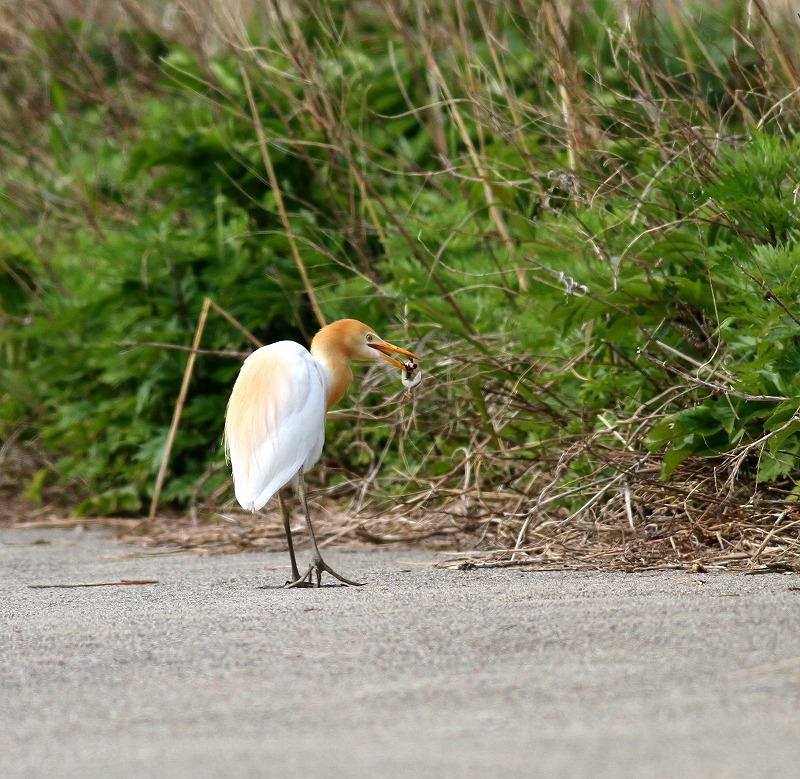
(422, 673)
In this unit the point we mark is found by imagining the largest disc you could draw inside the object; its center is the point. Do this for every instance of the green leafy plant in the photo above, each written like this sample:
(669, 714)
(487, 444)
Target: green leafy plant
(587, 219)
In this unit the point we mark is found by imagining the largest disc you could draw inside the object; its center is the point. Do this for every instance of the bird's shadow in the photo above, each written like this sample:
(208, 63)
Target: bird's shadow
(302, 587)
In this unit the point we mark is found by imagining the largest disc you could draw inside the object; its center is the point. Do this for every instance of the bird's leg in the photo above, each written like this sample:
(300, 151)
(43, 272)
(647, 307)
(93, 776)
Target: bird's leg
(318, 565)
(287, 528)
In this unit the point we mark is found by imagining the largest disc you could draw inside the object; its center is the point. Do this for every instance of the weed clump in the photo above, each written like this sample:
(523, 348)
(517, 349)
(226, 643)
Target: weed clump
(585, 216)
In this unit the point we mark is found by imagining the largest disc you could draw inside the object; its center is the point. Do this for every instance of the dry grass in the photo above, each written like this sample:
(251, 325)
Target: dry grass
(630, 521)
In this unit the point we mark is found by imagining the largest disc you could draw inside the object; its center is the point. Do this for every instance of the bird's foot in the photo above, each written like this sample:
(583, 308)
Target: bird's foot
(316, 568)
(300, 581)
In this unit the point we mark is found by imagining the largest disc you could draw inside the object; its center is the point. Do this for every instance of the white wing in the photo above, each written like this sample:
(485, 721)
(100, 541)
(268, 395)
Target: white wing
(275, 423)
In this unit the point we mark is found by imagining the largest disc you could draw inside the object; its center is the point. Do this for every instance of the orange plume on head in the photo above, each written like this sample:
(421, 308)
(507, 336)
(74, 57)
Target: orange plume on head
(348, 339)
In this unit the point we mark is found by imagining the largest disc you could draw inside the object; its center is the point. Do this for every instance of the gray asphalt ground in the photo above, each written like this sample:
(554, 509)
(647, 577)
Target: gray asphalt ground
(421, 673)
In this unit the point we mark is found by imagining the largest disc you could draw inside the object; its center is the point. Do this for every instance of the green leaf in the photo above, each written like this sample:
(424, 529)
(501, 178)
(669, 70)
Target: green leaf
(672, 459)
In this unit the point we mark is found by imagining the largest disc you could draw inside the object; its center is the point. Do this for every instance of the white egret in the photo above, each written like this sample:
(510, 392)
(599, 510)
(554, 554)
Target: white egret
(275, 422)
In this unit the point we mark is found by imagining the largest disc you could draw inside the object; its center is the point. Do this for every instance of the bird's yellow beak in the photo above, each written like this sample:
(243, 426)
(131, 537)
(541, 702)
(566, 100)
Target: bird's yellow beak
(384, 349)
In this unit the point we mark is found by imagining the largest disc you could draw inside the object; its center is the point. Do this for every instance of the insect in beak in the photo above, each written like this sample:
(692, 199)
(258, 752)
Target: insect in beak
(412, 375)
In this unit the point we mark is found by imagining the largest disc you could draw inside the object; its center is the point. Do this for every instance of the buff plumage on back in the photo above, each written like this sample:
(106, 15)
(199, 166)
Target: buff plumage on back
(275, 421)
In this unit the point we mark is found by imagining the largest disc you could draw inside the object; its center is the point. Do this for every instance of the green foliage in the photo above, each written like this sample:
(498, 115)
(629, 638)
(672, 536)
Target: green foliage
(590, 219)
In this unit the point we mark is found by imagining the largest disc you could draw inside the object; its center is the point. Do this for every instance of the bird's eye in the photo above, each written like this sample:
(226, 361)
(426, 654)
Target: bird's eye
(370, 338)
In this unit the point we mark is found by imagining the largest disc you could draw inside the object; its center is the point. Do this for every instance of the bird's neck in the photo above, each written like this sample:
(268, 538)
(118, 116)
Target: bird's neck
(336, 372)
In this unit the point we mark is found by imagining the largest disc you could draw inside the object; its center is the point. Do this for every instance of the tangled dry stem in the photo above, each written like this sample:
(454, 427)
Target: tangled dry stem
(628, 519)
(622, 516)
(596, 501)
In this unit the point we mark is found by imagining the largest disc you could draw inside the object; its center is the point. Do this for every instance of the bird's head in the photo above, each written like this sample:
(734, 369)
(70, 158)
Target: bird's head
(356, 341)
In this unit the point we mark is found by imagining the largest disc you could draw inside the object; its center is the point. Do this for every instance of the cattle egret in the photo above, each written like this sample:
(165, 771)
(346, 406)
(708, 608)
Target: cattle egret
(275, 422)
